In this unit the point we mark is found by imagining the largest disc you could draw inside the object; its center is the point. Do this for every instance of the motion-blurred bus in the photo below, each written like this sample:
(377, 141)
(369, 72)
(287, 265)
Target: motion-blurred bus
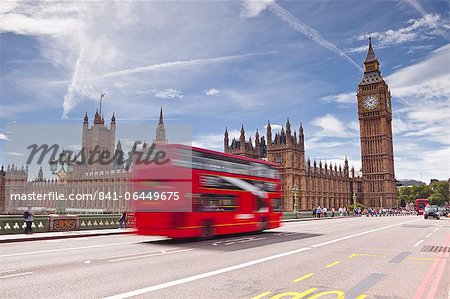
(217, 194)
(420, 205)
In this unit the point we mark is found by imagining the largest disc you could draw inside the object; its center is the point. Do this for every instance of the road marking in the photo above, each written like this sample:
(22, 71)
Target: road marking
(14, 275)
(87, 262)
(67, 249)
(207, 274)
(364, 285)
(149, 255)
(262, 295)
(439, 273)
(362, 296)
(420, 258)
(429, 277)
(136, 253)
(428, 235)
(436, 229)
(365, 254)
(303, 277)
(332, 264)
(399, 257)
(295, 295)
(362, 233)
(239, 266)
(417, 244)
(340, 294)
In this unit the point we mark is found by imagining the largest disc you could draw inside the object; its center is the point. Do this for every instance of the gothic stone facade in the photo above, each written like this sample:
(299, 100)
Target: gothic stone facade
(319, 184)
(86, 179)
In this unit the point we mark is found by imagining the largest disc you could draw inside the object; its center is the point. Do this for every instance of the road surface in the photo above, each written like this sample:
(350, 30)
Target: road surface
(375, 257)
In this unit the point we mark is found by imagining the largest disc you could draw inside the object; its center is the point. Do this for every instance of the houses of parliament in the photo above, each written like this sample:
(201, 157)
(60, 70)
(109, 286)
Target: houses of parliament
(306, 183)
(323, 184)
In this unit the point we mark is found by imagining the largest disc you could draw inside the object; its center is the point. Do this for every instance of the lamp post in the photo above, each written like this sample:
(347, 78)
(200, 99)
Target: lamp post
(295, 192)
(63, 174)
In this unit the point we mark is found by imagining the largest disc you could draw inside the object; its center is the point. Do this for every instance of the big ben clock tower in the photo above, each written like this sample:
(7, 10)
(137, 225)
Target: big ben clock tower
(375, 120)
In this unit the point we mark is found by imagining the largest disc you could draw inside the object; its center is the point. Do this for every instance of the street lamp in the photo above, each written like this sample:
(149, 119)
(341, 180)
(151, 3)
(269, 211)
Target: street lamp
(295, 192)
(63, 174)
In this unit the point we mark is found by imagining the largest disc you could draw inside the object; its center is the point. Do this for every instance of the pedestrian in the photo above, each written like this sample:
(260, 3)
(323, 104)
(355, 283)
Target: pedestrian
(314, 213)
(123, 220)
(325, 212)
(319, 211)
(29, 218)
(340, 211)
(333, 211)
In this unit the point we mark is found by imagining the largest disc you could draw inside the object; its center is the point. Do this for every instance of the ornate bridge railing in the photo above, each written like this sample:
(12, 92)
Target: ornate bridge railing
(15, 224)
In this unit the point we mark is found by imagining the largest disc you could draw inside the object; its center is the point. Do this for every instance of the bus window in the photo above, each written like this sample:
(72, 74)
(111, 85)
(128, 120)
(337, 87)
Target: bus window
(214, 203)
(277, 205)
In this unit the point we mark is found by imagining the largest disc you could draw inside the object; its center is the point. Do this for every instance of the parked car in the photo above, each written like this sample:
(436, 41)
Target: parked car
(431, 211)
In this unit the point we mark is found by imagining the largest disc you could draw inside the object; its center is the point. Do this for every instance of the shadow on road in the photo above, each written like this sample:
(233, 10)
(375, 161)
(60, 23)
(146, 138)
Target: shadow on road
(237, 241)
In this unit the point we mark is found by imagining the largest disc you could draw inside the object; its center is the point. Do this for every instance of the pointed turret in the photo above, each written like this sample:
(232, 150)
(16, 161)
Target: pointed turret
(269, 133)
(226, 141)
(86, 119)
(161, 121)
(40, 174)
(160, 129)
(371, 63)
(113, 119)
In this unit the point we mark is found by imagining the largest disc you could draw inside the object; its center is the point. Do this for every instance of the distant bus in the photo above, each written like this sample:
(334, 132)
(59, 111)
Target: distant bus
(420, 205)
(229, 194)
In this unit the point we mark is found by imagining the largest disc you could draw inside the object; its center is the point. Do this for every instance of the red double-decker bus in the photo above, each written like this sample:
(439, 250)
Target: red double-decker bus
(218, 194)
(420, 205)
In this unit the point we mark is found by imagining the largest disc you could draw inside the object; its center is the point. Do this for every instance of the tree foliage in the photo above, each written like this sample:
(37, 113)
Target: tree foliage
(437, 192)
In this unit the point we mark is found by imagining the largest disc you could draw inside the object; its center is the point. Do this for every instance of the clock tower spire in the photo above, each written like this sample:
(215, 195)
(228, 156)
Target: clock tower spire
(375, 120)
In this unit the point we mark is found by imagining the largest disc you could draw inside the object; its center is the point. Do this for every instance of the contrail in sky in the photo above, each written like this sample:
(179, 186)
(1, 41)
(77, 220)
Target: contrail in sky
(167, 65)
(309, 32)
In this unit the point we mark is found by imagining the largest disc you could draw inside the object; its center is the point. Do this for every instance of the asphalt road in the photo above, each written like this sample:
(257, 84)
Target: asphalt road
(345, 258)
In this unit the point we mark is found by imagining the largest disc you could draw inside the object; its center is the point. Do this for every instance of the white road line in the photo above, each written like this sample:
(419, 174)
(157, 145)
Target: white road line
(14, 275)
(428, 235)
(66, 249)
(360, 234)
(204, 275)
(149, 255)
(232, 268)
(417, 244)
(436, 229)
(131, 254)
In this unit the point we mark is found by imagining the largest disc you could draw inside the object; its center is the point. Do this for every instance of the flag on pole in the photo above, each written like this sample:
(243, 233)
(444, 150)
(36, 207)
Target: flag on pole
(102, 95)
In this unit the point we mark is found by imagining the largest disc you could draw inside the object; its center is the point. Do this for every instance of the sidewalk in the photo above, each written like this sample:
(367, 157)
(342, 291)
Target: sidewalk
(322, 218)
(63, 235)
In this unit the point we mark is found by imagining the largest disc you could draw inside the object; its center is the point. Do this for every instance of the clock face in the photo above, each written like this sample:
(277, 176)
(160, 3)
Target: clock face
(370, 102)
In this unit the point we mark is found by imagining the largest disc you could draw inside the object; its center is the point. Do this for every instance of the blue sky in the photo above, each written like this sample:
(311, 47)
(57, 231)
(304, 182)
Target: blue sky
(216, 64)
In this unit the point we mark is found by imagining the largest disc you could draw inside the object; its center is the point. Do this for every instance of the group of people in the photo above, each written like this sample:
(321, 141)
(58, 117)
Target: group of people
(323, 212)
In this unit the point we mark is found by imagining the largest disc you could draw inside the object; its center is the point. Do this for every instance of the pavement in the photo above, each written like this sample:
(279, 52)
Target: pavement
(357, 257)
(9, 238)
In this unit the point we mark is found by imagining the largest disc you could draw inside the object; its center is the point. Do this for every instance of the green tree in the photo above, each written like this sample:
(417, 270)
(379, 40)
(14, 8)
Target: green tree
(440, 192)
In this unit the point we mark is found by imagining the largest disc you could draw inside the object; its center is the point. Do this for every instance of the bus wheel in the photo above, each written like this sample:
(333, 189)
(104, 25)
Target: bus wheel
(425, 216)
(208, 230)
(263, 225)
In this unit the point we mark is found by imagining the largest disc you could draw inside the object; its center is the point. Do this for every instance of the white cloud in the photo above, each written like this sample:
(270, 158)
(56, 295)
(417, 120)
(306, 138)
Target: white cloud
(331, 127)
(252, 8)
(169, 93)
(4, 137)
(342, 98)
(14, 154)
(429, 26)
(212, 92)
